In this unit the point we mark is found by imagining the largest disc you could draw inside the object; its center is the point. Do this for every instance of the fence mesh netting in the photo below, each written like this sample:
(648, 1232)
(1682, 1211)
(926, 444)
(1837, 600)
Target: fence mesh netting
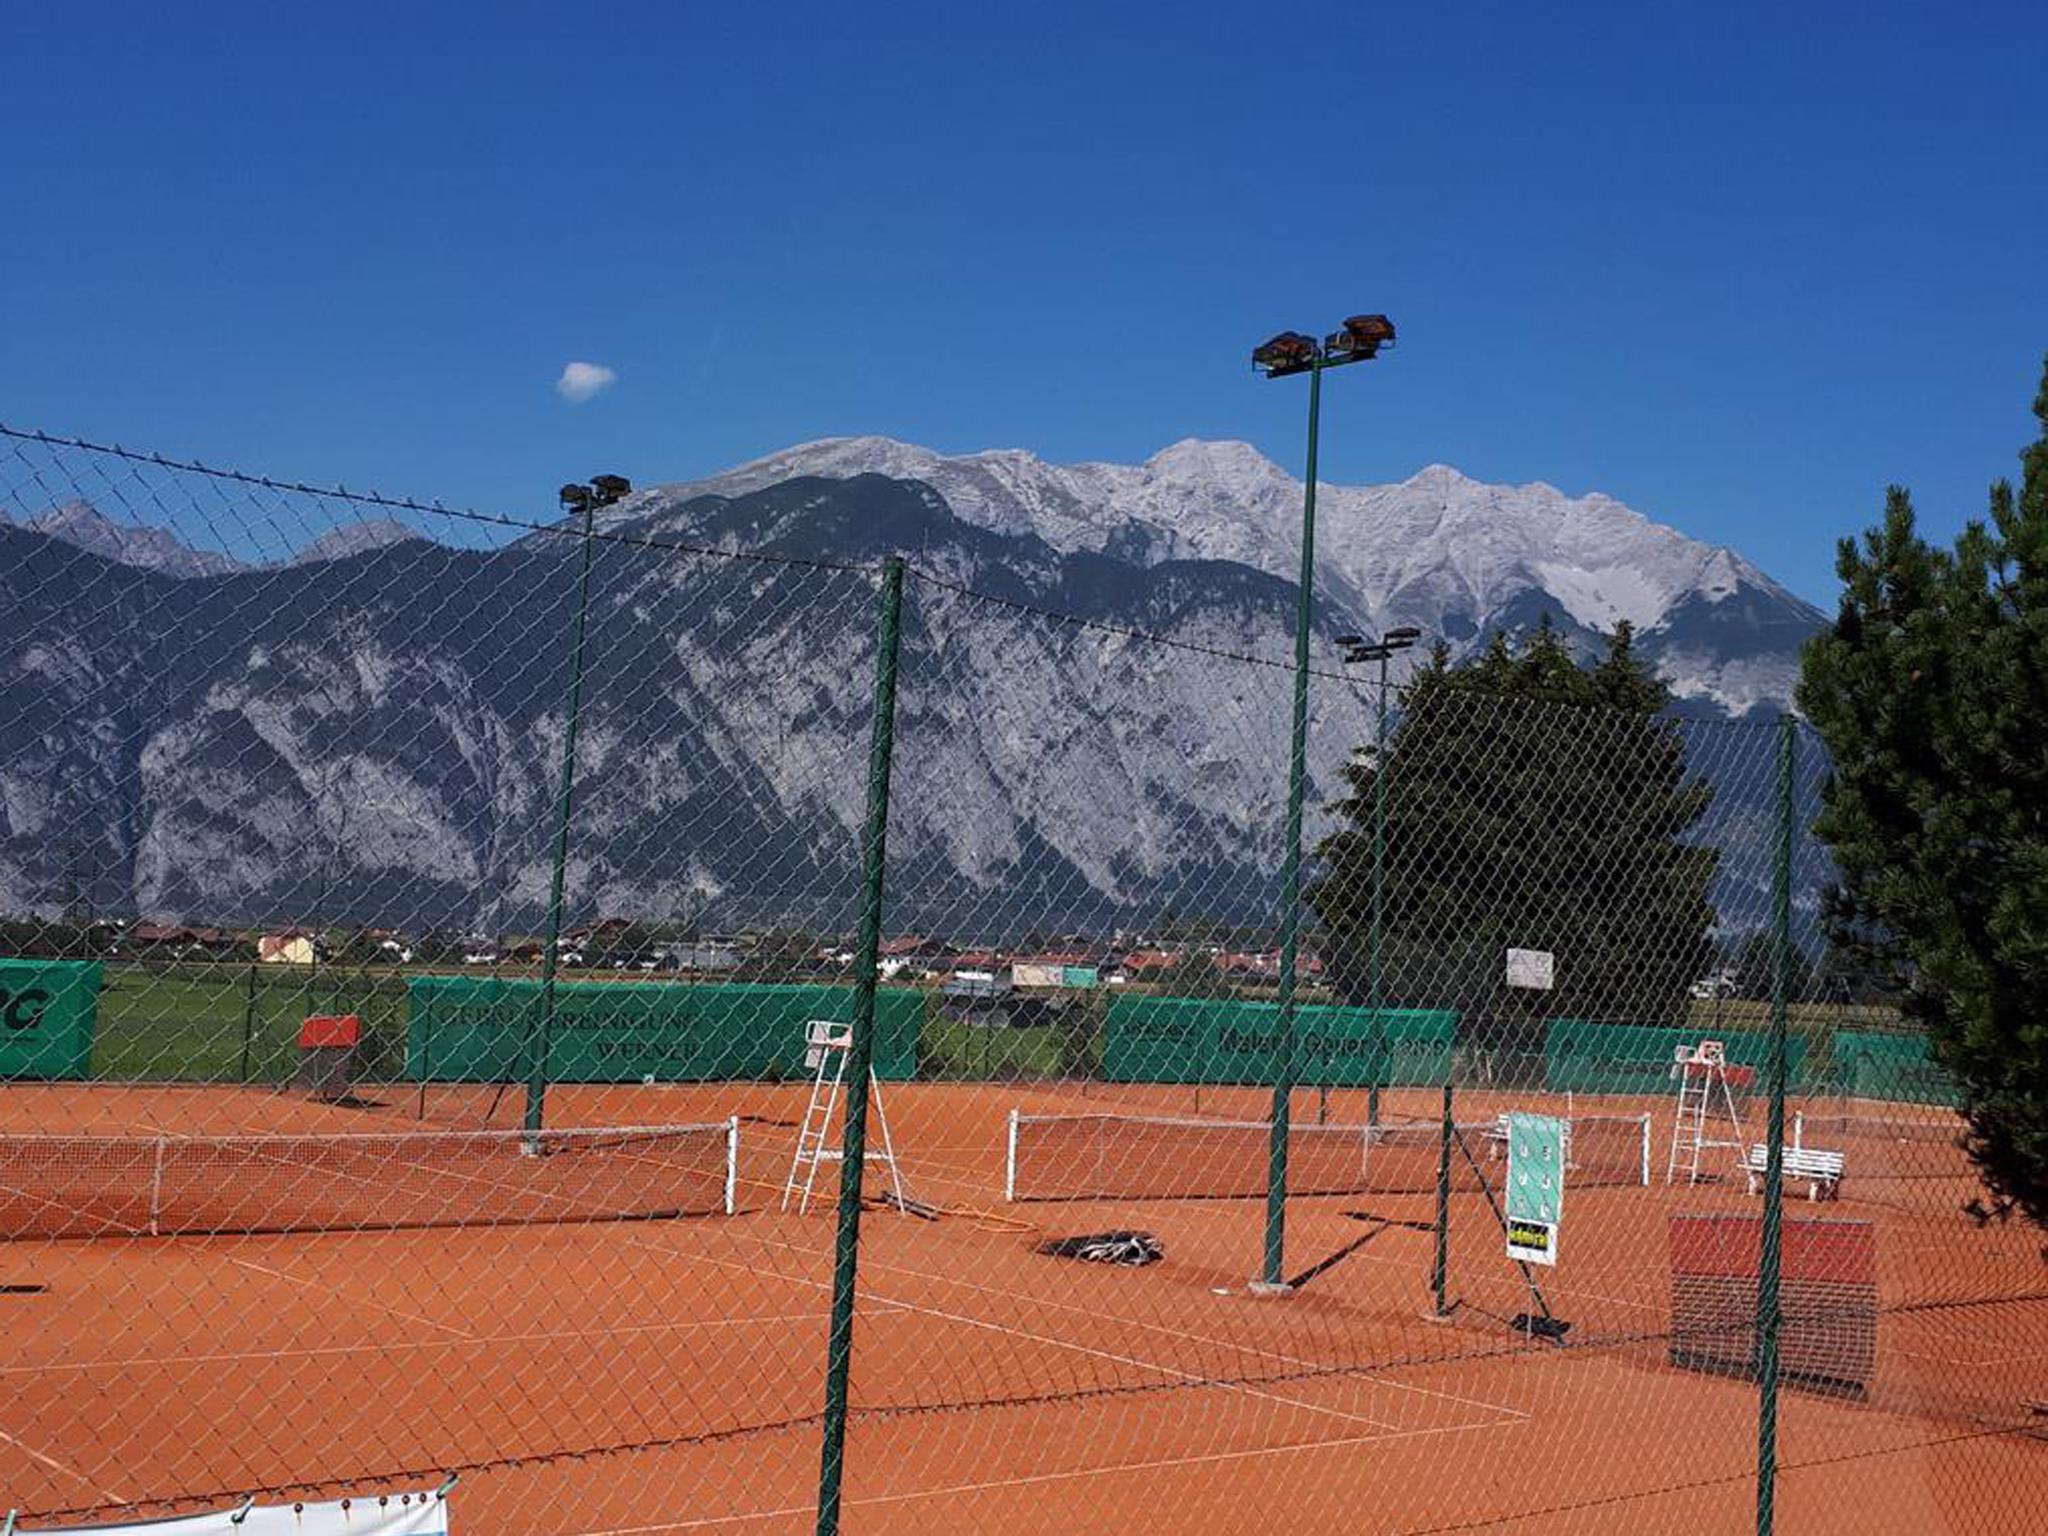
(432, 945)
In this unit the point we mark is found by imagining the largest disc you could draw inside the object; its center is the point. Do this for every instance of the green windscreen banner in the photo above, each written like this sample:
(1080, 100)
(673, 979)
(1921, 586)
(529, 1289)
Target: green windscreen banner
(1204, 1040)
(1872, 1064)
(47, 1012)
(1579, 1057)
(479, 1029)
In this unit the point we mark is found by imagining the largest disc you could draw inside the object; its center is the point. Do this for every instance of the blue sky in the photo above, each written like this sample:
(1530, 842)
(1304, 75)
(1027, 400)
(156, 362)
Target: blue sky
(1739, 265)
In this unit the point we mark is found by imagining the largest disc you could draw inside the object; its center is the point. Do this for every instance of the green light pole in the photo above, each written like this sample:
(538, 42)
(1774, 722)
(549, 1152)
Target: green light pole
(1358, 340)
(1382, 650)
(602, 491)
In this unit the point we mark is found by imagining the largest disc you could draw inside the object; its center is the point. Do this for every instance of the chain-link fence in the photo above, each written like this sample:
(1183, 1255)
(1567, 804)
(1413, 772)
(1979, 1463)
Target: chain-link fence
(441, 953)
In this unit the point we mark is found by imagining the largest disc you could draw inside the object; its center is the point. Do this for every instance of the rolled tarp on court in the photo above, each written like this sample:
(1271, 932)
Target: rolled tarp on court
(48, 1010)
(1226, 1040)
(465, 1029)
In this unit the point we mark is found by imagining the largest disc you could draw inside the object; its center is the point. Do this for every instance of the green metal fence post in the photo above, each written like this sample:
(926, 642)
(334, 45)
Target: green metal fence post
(542, 1029)
(1272, 1271)
(1440, 1260)
(853, 1135)
(1769, 1265)
(248, 1022)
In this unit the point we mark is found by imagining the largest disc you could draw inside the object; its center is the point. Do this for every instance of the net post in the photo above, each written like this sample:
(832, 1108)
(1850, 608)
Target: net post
(1769, 1262)
(860, 1055)
(1646, 1149)
(732, 1164)
(156, 1185)
(543, 1026)
(1010, 1163)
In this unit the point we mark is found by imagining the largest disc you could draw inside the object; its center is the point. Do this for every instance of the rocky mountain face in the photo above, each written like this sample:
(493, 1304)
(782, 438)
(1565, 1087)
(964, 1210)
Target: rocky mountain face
(84, 526)
(374, 732)
(1448, 554)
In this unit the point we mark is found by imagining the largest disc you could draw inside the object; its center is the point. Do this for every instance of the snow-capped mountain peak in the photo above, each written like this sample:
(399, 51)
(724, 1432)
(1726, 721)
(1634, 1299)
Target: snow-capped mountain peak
(1453, 555)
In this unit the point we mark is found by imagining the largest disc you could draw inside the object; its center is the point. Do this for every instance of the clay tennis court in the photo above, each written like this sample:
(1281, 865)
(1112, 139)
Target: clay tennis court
(580, 1373)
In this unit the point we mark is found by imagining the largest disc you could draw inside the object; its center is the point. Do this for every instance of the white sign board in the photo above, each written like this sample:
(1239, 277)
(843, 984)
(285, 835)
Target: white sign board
(1535, 969)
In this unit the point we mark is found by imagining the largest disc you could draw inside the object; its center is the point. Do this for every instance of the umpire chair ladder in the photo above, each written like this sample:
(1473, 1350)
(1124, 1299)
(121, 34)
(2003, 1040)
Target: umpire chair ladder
(827, 1044)
(1704, 1099)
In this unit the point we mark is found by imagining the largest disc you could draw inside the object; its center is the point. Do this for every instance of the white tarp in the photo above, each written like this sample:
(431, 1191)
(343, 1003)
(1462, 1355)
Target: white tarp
(392, 1514)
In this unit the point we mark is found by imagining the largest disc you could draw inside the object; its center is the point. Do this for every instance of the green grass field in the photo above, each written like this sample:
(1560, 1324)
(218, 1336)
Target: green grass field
(230, 1023)
(950, 1049)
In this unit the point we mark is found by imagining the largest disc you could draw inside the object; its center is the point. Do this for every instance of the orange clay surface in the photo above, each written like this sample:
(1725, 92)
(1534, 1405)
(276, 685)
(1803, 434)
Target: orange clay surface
(667, 1376)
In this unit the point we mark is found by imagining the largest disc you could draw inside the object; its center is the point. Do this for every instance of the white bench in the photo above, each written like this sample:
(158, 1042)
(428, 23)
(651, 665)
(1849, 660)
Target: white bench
(1820, 1172)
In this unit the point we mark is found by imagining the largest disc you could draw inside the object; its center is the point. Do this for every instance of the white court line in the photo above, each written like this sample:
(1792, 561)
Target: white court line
(332, 1290)
(1196, 1378)
(1176, 1332)
(55, 1465)
(467, 1342)
(1146, 1365)
(1029, 1479)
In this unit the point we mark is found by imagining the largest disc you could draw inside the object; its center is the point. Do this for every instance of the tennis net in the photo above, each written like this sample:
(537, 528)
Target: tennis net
(1156, 1157)
(54, 1186)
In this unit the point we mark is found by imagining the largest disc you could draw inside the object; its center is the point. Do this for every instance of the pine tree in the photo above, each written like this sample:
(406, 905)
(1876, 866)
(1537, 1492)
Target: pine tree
(1530, 803)
(1931, 692)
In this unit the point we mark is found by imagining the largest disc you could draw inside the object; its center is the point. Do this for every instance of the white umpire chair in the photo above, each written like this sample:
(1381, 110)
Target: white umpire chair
(1705, 1103)
(827, 1045)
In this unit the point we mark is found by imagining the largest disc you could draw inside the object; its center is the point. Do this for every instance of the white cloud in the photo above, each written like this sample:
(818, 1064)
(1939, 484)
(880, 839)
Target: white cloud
(580, 381)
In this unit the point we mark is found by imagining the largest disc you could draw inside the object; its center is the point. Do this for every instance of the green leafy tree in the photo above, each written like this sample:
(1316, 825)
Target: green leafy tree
(1931, 692)
(1534, 803)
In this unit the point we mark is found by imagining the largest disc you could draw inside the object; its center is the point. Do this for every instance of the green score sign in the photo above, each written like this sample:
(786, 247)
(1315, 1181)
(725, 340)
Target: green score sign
(1535, 1203)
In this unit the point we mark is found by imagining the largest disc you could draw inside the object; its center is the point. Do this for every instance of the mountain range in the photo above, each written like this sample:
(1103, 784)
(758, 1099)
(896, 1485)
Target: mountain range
(370, 729)
(1446, 553)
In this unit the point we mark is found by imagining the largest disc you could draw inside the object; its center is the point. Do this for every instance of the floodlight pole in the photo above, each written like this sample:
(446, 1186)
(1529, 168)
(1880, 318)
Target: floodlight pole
(1271, 1272)
(598, 494)
(1285, 355)
(1379, 893)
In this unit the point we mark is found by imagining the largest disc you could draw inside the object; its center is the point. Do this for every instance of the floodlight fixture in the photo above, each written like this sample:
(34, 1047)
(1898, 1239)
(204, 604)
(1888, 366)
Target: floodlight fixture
(1288, 353)
(1358, 339)
(602, 491)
